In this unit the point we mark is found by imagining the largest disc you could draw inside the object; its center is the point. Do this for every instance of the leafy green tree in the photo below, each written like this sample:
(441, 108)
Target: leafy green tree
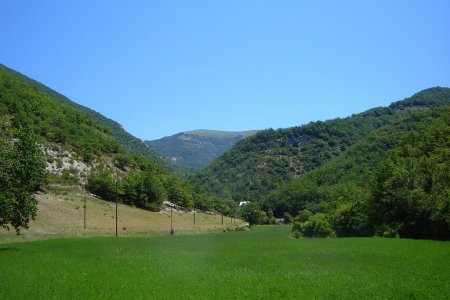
(252, 213)
(316, 226)
(270, 218)
(144, 189)
(351, 219)
(178, 192)
(102, 183)
(288, 219)
(22, 171)
(411, 187)
(303, 216)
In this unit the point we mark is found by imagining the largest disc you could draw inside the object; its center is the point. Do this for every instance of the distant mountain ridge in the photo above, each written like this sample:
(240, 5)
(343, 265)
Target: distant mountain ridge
(221, 133)
(197, 148)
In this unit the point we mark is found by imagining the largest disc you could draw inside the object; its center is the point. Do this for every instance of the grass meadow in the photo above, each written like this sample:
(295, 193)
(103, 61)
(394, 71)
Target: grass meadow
(261, 264)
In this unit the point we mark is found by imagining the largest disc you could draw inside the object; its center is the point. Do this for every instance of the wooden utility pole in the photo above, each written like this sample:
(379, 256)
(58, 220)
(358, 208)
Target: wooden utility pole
(194, 217)
(116, 211)
(84, 212)
(171, 221)
(222, 218)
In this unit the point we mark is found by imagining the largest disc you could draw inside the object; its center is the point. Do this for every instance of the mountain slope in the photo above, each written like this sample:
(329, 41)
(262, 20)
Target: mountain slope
(196, 149)
(395, 182)
(125, 139)
(55, 122)
(81, 151)
(356, 166)
(261, 163)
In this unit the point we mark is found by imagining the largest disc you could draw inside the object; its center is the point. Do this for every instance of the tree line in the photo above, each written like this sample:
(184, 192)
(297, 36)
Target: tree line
(396, 182)
(259, 164)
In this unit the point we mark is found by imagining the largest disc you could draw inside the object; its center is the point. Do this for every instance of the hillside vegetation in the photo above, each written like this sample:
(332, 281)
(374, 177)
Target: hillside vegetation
(79, 150)
(261, 163)
(394, 182)
(196, 149)
(129, 142)
(381, 172)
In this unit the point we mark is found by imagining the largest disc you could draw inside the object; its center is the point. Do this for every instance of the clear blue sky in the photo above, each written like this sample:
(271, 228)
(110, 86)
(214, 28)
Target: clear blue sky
(161, 67)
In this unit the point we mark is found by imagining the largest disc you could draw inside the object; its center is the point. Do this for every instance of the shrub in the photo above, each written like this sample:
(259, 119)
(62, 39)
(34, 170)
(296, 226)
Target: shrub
(122, 161)
(303, 216)
(287, 218)
(296, 234)
(351, 219)
(253, 214)
(315, 226)
(101, 183)
(270, 218)
(144, 190)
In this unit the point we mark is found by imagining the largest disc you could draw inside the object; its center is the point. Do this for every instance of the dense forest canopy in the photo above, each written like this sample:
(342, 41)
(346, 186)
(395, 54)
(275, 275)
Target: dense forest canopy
(394, 182)
(384, 171)
(265, 161)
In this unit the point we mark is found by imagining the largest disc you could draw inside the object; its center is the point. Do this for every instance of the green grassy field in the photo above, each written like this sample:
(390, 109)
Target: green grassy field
(264, 263)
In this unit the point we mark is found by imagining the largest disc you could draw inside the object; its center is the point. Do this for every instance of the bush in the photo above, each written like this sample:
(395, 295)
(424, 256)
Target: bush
(253, 214)
(296, 234)
(101, 183)
(287, 218)
(351, 219)
(270, 218)
(303, 216)
(122, 161)
(315, 226)
(144, 190)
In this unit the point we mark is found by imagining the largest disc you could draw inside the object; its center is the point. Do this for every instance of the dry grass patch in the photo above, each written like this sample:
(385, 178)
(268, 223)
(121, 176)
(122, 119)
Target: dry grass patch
(61, 213)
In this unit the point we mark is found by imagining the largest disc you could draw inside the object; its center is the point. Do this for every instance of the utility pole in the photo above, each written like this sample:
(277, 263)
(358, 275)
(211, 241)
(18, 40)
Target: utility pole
(194, 217)
(85, 212)
(171, 221)
(116, 210)
(222, 218)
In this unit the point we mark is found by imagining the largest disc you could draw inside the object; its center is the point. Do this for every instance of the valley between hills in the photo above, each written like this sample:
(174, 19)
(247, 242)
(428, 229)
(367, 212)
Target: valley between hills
(380, 172)
(352, 207)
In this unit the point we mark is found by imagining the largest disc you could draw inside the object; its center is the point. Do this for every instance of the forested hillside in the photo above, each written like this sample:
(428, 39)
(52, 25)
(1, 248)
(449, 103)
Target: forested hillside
(385, 171)
(396, 181)
(125, 139)
(79, 150)
(196, 149)
(53, 121)
(261, 163)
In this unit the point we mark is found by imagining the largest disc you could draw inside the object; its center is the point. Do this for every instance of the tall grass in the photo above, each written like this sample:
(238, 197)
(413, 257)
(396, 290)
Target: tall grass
(263, 263)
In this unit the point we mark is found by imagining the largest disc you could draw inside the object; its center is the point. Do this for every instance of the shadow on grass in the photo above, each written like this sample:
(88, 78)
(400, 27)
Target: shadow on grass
(8, 249)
